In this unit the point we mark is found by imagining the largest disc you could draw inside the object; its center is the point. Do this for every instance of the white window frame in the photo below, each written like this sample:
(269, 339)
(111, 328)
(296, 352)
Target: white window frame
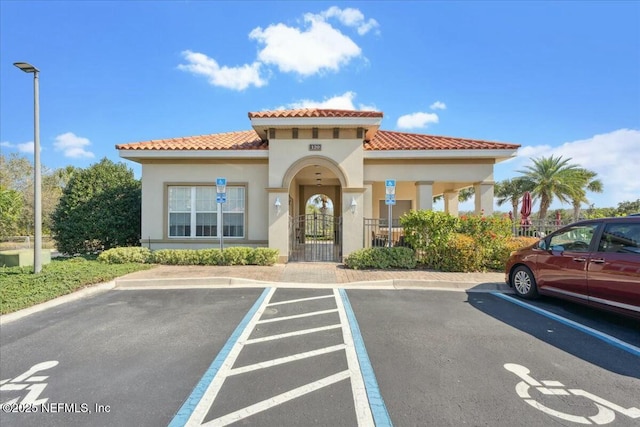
(193, 212)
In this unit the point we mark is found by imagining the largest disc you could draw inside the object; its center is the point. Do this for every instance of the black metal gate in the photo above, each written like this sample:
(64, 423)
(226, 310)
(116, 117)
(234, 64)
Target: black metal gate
(315, 237)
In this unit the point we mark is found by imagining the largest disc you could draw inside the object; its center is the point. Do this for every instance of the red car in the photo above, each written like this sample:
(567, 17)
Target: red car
(594, 262)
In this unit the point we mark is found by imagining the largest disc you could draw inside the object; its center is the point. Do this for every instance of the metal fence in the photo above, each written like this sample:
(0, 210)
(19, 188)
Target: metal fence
(378, 234)
(376, 231)
(25, 242)
(536, 229)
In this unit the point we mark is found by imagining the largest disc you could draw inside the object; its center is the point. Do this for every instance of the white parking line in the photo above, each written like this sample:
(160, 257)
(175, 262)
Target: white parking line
(292, 334)
(287, 359)
(195, 409)
(299, 300)
(298, 316)
(359, 391)
(212, 390)
(277, 400)
(579, 326)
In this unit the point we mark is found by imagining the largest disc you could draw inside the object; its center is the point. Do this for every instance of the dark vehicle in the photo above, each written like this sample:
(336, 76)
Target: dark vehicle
(594, 262)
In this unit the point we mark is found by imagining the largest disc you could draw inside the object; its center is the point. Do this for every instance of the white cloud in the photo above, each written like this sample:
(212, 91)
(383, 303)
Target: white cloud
(236, 78)
(351, 18)
(316, 48)
(72, 146)
(614, 156)
(416, 120)
(438, 106)
(25, 147)
(337, 102)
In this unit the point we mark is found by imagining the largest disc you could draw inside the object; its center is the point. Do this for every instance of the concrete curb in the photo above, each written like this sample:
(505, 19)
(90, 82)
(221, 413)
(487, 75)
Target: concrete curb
(82, 293)
(225, 282)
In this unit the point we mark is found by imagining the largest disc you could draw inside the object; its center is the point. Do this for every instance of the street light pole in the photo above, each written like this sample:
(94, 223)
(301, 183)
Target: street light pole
(37, 208)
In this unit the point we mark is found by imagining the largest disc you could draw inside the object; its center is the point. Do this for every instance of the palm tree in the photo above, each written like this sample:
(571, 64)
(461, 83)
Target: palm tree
(587, 183)
(511, 190)
(321, 199)
(551, 177)
(464, 194)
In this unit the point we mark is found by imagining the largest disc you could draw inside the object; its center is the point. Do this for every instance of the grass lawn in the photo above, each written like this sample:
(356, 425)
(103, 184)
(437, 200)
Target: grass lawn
(20, 288)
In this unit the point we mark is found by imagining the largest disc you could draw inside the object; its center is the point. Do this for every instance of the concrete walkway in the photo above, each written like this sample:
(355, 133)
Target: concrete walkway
(305, 274)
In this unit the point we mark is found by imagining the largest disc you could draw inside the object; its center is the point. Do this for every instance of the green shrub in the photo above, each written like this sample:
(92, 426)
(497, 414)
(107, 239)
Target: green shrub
(126, 255)
(428, 233)
(498, 258)
(461, 253)
(381, 258)
(485, 229)
(236, 255)
(263, 256)
(176, 257)
(209, 256)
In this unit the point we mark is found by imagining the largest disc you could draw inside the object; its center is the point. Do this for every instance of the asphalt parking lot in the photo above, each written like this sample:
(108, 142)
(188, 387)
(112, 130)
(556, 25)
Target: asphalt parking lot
(137, 357)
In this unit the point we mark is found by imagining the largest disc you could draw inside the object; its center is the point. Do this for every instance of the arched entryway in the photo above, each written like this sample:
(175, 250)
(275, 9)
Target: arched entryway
(316, 234)
(315, 224)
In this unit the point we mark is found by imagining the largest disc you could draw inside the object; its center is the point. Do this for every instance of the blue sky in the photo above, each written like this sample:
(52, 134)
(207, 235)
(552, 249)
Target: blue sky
(559, 78)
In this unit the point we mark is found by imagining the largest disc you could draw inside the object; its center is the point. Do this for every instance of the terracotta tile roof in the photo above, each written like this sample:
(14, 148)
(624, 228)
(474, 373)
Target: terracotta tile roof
(242, 140)
(313, 112)
(389, 140)
(382, 141)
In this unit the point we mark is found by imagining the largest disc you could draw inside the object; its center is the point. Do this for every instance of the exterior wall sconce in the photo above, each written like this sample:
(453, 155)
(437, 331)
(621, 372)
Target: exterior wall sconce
(354, 205)
(278, 205)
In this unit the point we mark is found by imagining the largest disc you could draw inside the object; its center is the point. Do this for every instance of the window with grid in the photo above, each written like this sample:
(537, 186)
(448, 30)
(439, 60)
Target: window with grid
(193, 211)
(233, 212)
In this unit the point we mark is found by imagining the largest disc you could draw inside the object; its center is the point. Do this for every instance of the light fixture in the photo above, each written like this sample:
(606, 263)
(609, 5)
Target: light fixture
(354, 205)
(37, 174)
(278, 205)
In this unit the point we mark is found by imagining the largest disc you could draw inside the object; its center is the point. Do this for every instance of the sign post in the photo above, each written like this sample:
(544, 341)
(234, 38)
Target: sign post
(390, 200)
(221, 197)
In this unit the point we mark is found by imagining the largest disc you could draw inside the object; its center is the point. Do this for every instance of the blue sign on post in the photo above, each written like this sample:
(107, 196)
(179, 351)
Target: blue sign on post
(221, 185)
(390, 185)
(390, 199)
(221, 198)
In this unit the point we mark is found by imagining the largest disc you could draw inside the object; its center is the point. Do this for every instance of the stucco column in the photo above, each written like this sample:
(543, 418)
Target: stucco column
(484, 198)
(352, 220)
(279, 222)
(451, 202)
(367, 203)
(424, 195)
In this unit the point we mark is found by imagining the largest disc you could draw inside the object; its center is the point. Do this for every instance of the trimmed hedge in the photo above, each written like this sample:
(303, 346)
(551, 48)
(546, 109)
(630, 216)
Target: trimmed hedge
(469, 243)
(230, 256)
(380, 258)
(125, 255)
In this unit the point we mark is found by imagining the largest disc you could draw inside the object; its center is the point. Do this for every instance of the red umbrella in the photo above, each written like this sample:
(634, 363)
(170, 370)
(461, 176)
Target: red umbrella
(525, 211)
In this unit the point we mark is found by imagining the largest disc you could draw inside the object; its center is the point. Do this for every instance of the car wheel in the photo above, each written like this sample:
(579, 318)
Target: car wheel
(524, 283)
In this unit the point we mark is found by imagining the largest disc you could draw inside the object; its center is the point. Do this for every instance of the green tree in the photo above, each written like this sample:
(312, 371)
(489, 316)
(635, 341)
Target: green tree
(99, 209)
(551, 177)
(16, 173)
(626, 208)
(10, 211)
(586, 182)
(511, 190)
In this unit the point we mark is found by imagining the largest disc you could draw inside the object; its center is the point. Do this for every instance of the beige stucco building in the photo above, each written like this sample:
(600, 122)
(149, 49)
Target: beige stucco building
(289, 156)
